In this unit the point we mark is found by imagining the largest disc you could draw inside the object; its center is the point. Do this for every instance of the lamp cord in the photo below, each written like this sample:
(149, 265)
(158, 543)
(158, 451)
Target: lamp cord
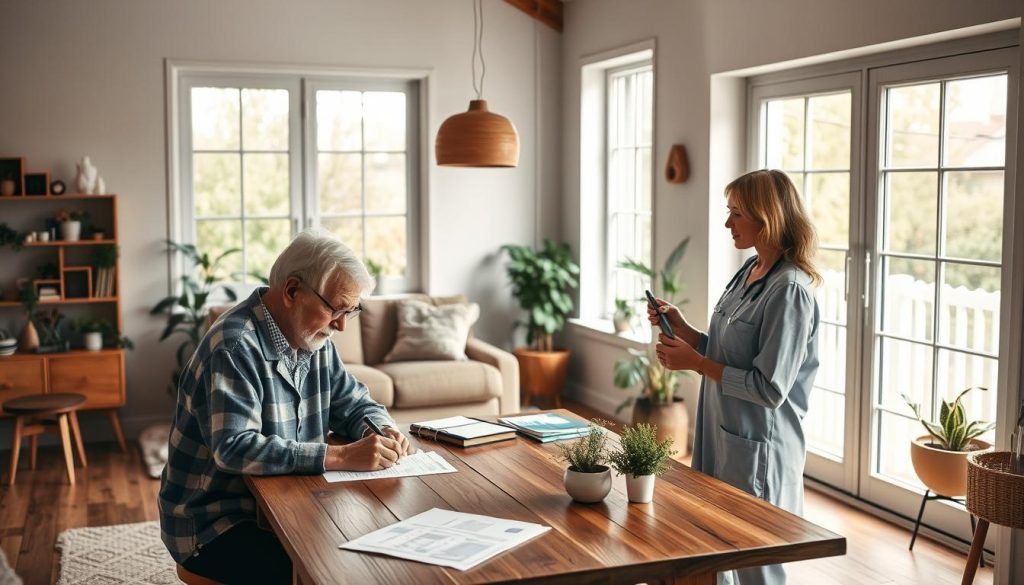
(478, 46)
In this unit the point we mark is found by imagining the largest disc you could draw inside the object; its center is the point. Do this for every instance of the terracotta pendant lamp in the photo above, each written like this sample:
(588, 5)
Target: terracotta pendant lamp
(477, 137)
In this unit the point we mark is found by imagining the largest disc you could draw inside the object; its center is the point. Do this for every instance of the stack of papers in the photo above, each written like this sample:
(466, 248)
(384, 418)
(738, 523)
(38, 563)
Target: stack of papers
(548, 426)
(422, 463)
(462, 431)
(446, 538)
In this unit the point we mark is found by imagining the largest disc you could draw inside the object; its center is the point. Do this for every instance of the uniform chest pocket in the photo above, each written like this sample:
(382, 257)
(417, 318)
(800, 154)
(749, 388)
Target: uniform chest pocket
(738, 340)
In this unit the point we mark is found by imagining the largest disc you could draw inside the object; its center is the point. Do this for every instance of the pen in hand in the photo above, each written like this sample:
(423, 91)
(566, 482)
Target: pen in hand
(375, 428)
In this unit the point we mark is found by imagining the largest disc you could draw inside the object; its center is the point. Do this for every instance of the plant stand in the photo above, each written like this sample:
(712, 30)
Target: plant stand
(929, 496)
(995, 495)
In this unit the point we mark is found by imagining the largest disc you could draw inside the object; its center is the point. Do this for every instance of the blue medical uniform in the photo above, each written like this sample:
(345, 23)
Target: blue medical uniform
(748, 429)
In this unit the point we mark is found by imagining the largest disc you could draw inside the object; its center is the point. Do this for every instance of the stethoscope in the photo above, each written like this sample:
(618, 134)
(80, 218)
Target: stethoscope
(754, 290)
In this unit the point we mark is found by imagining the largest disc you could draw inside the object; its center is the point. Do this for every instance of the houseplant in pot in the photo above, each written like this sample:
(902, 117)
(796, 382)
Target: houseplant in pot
(940, 457)
(623, 316)
(587, 479)
(656, 403)
(641, 457)
(542, 281)
(70, 222)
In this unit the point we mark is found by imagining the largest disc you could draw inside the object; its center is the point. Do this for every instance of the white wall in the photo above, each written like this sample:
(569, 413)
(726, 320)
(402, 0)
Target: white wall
(88, 78)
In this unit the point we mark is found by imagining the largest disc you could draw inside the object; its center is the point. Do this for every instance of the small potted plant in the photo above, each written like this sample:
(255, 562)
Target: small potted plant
(587, 479)
(376, 270)
(641, 458)
(940, 457)
(623, 317)
(70, 222)
(93, 329)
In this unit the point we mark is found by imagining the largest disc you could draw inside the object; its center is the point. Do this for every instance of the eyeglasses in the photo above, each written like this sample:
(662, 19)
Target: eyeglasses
(337, 313)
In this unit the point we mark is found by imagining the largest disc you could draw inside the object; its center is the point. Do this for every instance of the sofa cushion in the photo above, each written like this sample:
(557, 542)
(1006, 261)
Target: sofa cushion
(435, 383)
(349, 343)
(428, 332)
(381, 388)
(379, 322)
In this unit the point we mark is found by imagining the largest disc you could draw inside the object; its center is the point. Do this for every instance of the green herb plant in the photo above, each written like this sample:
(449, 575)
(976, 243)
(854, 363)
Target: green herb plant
(641, 453)
(952, 432)
(587, 454)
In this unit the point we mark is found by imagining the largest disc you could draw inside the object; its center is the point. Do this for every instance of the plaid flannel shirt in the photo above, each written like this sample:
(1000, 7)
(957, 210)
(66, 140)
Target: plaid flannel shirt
(248, 405)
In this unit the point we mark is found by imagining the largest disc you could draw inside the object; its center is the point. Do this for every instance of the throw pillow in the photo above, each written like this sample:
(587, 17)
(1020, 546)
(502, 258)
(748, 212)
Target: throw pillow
(428, 332)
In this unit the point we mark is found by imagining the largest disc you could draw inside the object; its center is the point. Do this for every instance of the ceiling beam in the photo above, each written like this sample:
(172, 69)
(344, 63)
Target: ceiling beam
(547, 11)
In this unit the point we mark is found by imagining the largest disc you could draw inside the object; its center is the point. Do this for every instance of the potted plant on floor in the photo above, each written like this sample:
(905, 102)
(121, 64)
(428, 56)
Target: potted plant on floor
(542, 281)
(641, 458)
(940, 457)
(587, 479)
(656, 403)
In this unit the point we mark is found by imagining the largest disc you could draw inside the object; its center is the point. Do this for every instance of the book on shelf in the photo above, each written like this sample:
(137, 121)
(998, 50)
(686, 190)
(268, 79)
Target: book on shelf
(548, 426)
(462, 431)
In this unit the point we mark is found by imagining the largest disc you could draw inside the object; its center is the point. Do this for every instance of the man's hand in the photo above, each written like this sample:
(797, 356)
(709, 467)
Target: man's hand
(404, 448)
(370, 453)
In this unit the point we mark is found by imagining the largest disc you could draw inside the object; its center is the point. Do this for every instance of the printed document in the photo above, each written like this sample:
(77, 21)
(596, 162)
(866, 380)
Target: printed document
(446, 538)
(420, 463)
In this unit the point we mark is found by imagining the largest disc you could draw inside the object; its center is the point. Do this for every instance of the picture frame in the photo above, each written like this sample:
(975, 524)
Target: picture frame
(37, 183)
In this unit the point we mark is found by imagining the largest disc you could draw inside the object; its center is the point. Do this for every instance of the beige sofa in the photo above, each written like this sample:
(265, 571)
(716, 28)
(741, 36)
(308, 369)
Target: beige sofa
(485, 384)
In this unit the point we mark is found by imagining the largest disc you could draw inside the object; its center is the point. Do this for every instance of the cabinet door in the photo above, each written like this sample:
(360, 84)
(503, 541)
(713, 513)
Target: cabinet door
(99, 377)
(19, 377)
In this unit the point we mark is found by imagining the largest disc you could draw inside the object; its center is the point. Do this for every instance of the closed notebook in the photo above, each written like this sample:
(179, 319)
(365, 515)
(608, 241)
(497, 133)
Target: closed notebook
(547, 424)
(462, 431)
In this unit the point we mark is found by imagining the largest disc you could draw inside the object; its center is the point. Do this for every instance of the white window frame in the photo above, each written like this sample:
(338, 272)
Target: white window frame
(180, 76)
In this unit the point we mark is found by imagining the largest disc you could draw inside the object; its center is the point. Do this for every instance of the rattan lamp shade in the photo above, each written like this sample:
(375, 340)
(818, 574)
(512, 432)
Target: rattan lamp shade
(477, 138)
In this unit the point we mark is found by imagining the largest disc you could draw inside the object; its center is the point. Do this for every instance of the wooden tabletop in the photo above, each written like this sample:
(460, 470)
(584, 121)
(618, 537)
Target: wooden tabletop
(695, 527)
(44, 403)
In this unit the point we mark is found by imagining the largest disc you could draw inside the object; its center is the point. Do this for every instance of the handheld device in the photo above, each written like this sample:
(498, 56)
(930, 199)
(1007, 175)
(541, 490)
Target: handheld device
(662, 319)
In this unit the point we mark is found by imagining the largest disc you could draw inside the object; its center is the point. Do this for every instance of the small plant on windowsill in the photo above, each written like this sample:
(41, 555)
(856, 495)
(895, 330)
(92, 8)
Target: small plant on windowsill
(623, 317)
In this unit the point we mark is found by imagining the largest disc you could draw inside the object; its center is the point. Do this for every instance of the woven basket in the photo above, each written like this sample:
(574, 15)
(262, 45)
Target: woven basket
(993, 493)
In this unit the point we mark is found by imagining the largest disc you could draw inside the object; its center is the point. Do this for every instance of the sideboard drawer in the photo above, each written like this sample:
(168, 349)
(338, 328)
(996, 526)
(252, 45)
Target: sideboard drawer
(99, 377)
(19, 377)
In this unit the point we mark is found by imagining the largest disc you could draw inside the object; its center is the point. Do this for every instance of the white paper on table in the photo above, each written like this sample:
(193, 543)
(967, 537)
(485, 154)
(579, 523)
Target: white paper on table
(421, 463)
(447, 538)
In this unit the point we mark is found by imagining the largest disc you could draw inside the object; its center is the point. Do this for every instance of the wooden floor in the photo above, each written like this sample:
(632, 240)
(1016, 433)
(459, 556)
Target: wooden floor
(114, 490)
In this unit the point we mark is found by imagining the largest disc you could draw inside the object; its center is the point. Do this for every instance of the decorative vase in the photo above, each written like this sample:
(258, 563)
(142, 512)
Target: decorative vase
(621, 323)
(70, 231)
(588, 488)
(542, 373)
(8, 187)
(640, 488)
(943, 472)
(672, 420)
(29, 337)
(93, 340)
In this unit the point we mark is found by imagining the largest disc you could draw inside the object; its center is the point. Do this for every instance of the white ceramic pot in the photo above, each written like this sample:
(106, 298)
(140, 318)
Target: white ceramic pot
(621, 323)
(588, 488)
(70, 231)
(640, 488)
(93, 340)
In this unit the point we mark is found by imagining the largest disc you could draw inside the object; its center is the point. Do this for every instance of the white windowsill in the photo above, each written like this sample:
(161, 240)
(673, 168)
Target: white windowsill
(603, 331)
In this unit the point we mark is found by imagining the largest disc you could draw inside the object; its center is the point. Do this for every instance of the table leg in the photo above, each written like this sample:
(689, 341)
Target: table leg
(33, 444)
(15, 449)
(65, 439)
(73, 418)
(116, 423)
(977, 548)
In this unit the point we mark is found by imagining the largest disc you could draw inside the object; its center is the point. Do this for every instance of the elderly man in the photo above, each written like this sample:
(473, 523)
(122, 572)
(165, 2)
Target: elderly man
(258, 397)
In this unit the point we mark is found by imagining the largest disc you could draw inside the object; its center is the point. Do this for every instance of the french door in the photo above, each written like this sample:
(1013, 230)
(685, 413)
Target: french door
(903, 169)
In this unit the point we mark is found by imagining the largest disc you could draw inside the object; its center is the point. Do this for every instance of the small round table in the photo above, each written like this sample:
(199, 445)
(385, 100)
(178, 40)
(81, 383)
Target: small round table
(46, 413)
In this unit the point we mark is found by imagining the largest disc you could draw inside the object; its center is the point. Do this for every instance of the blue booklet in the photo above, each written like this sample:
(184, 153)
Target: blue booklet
(547, 424)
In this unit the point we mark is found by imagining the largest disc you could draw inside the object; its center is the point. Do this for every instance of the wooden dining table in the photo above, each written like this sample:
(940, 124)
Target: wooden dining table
(695, 527)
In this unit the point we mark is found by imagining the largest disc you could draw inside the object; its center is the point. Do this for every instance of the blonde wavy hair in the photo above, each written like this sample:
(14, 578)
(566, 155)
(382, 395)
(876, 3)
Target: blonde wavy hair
(771, 199)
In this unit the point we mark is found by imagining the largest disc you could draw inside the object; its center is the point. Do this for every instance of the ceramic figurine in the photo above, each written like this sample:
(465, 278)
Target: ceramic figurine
(87, 175)
(101, 186)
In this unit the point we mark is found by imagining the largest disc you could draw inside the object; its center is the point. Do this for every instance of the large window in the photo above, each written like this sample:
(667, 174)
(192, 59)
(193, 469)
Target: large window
(628, 201)
(911, 234)
(262, 157)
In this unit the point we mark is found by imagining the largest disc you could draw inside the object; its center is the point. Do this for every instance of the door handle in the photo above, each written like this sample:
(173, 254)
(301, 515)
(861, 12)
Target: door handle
(846, 277)
(867, 279)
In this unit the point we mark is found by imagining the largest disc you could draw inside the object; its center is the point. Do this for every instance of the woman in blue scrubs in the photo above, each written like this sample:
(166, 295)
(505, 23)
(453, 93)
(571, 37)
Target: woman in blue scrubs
(759, 356)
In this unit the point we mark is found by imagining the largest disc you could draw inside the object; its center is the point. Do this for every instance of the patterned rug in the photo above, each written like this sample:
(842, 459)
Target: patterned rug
(113, 555)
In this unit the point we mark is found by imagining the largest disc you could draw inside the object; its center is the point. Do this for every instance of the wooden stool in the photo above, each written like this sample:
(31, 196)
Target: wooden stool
(46, 413)
(190, 578)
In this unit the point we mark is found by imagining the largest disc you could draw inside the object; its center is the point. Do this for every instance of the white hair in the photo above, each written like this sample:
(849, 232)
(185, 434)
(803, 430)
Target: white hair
(314, 256)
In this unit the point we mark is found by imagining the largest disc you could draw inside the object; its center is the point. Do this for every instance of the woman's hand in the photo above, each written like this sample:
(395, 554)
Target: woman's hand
(676, 354)
(672, 312)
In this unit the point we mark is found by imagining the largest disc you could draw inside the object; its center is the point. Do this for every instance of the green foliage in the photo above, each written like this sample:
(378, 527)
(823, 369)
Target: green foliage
(70, 215)
(186, 311)
(27, 297)
(587, 454)
(105, 256)
(656, 383)
(373, 267)
(624, 309)
(9, 237)
(100, 325)
(542, 282)
(952, 431)
(641, 453)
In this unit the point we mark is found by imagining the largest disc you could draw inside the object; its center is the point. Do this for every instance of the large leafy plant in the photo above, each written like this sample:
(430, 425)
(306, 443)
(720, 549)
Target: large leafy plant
(542, 281)
(952, 431)
(656, 383)
(186, 311)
